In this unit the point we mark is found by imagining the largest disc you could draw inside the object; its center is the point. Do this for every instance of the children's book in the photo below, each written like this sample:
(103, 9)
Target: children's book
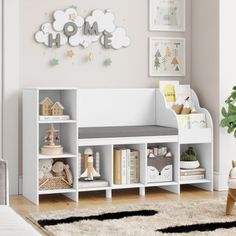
(167, 88)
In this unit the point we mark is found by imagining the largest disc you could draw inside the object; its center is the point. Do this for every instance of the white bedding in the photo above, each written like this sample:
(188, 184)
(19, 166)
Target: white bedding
(11, 224)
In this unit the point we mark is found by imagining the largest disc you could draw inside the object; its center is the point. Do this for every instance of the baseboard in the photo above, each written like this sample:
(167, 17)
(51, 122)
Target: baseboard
(20, 188)
(220, 181)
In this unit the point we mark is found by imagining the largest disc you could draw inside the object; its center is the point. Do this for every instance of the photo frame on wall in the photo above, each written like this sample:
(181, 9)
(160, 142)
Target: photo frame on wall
(167, 57)
(167, 15)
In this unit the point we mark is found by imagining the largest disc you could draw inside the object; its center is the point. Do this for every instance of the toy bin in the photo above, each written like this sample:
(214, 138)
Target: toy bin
(159, 169)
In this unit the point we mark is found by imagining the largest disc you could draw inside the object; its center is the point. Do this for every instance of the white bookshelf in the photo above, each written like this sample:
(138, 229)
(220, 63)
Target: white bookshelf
(33, 139)
(108, 108)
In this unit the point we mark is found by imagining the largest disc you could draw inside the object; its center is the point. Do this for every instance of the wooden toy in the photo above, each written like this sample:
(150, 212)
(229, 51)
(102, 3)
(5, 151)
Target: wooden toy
(45, 107)
(89, 172)
(231, 199)
(52, 142)
(57, 109)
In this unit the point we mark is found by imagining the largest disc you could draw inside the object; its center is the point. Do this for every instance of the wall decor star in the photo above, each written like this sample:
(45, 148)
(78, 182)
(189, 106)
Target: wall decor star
(70, 53)
(54, 62)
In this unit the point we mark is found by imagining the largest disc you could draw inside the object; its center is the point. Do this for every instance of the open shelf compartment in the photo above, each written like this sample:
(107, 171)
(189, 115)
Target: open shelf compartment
(105, 153)
(204, 156)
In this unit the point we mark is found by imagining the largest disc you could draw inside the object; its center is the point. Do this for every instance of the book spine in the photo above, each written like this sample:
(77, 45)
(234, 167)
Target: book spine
(137, 168)
(117, 166)
(128, 166)
(192, 173)
(48, 118)
(123, 166)
(194, 177)
(132, 168)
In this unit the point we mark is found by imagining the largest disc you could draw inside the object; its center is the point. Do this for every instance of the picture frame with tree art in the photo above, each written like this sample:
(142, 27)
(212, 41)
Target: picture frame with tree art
(167, 57)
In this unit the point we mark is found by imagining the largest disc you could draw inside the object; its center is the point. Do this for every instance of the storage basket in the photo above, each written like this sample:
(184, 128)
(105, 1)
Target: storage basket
(58, 182)
(160, 169)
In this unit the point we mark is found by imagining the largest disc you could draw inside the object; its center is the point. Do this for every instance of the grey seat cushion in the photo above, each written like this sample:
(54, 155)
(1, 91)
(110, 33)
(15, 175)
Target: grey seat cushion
(3, 182)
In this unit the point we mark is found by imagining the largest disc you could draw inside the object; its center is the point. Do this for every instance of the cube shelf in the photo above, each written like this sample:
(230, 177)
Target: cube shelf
(104, 119)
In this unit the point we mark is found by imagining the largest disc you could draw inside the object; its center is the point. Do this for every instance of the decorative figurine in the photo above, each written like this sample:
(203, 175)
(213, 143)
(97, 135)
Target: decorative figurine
(89, 172)
(52, 142)
(45, 107)
(57, 109)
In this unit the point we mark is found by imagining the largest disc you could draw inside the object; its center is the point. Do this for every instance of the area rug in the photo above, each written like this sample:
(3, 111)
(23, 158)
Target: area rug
(202, 217)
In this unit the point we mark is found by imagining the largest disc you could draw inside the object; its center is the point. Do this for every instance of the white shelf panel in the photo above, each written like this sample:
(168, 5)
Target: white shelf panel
(57, 121)
(198, 181)
(125, 186)
(93, 189)
(55, 191)
(65, 155)
(188, 136)
(128, 140)
(161, 184)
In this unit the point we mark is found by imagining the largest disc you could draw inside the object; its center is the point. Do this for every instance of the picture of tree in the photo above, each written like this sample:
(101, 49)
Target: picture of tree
(167, 56)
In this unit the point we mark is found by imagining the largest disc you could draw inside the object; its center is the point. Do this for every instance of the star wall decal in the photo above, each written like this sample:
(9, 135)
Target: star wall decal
(54, 62)
(70, 53)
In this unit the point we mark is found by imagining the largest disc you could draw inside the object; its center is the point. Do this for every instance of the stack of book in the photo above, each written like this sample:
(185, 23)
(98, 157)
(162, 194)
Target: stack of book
(126, 166)
(192, 174)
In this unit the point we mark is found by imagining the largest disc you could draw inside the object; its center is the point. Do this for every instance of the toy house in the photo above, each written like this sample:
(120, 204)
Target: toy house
(57, 109)
(46, 107)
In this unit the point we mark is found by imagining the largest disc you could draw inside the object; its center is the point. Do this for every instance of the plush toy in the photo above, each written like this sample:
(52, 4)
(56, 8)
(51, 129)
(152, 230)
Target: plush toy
(60, 169)
(45, 167)
(231, 199)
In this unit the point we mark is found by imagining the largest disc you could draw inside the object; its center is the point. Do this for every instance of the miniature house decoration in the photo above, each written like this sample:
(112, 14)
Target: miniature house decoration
(52, 142)
(57, 109)
(45, 106)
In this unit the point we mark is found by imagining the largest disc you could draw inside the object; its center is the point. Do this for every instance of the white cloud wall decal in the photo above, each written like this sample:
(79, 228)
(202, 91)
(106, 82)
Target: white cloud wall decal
(105, 20)
(42, 36)
(118, 39)
(69, 15)
(69, 27)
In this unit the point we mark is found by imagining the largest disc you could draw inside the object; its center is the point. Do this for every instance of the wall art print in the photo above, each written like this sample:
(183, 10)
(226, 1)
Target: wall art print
(167, 15)
(68, 27)
(167, 56)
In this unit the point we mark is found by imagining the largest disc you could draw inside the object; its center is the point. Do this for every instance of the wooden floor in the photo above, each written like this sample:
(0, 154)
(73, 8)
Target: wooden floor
(59, 202)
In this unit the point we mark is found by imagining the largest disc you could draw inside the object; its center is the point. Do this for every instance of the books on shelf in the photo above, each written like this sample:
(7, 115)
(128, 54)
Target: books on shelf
(126, 166)
(192, 174)
(192, 177)
(54, 118)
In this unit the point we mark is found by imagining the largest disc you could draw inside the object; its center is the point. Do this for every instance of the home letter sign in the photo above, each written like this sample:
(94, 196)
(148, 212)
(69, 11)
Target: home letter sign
(70, 28)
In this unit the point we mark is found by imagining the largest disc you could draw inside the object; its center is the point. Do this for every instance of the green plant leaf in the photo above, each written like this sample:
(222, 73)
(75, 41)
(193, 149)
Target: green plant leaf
(234, 88)
(235, 133)
(224, 123)
(231, 118)
(230, 130)
(223, 111)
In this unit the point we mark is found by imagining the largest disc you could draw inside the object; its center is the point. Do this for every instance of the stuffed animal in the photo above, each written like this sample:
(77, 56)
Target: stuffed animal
(45, 168)
(60, 169)
(231, 199)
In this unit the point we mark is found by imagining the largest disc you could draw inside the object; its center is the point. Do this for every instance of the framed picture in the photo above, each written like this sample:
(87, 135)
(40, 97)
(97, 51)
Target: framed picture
(167, 15)
(167, 56)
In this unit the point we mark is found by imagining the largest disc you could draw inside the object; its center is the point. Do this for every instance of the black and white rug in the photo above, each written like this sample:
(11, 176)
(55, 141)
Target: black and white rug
(195, 218)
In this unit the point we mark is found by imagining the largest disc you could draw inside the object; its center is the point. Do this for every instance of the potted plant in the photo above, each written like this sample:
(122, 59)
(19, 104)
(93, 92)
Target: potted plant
(188, 159)
(229, 113)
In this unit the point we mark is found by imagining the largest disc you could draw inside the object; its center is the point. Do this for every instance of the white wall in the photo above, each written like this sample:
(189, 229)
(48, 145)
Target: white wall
(11, 90)
(129, 68)
(205, 62)
(227, 81)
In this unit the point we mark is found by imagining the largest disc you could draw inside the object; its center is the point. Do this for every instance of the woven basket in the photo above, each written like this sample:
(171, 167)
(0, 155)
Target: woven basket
(59, 182)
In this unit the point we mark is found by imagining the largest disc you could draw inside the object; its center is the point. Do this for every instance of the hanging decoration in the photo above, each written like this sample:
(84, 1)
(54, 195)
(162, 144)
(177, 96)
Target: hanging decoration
(70, 28)
(91, 56)
(108, 62)
(54, 62)
(70, 53)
